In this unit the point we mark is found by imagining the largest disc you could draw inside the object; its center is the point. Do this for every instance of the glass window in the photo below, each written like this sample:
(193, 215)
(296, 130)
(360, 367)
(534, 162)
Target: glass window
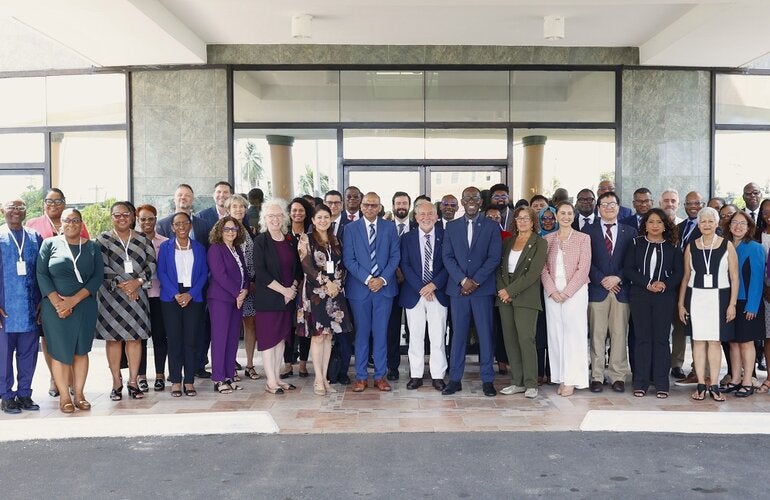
(466, 143)
(314, 157)
(459, 180)
(373, 144)
(26, 185)
(572, 159)
(740, 157)
(466, 96)
(86, 99)
(381, 96)
(743, 99)
(90, 166)
(286, 96)
(22, 148)
(385, 183)
(22, 102)
(562, 96)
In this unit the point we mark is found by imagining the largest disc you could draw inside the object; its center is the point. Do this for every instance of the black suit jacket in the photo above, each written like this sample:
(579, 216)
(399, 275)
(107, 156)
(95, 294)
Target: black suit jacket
(267, 268)
(631, 220)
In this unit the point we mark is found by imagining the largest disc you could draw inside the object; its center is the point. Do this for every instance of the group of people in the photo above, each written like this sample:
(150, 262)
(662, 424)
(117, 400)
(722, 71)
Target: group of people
(578, 295)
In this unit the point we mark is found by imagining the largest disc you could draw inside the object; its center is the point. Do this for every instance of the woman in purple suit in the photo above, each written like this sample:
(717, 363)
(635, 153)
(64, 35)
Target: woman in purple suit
(228, 288)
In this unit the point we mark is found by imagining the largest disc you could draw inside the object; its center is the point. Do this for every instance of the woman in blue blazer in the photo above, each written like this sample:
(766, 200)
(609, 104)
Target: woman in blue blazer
(182, 272)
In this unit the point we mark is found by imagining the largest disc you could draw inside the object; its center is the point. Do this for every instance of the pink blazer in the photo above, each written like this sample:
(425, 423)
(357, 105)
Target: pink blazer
(577, 262)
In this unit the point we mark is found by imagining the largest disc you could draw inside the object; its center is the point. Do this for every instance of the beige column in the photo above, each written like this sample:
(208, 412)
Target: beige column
(280, 157)
(532, 175)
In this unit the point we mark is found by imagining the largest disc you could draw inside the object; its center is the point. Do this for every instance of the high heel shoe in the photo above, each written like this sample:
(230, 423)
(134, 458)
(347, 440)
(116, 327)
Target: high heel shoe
(159, 385)
(329, 388)
(251, 373)
(116, 394)
(134, 392)
(319, 390)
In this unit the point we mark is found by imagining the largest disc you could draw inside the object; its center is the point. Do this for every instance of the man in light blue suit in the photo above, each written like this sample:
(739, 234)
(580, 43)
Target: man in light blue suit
(371, 257)
(471, 253)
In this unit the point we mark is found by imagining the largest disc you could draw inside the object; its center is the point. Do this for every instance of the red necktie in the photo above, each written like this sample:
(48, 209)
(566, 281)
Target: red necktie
(351, 216)
(608, 238)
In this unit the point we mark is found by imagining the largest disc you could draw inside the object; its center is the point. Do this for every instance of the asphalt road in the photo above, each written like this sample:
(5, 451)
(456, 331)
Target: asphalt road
(394, 466)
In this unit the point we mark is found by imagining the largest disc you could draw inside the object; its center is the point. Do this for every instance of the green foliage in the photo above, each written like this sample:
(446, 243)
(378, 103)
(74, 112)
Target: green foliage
(33, 198)
(97, 216)
(251, 168)
(307, 182)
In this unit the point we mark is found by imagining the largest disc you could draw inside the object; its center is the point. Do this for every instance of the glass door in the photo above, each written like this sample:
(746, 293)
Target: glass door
(385, 180)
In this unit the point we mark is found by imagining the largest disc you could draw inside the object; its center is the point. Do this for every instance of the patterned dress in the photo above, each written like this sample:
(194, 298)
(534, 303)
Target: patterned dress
(119, 317)
(321, 314)
(247, 247)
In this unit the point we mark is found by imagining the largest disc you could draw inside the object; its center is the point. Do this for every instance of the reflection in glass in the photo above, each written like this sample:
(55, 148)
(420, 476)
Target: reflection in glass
(466, 96)
(743, 99)
(562, 96)
(386, 96)
(22, 148)
(466, 143)
(286, 96)
(384, 143)
(740, 157)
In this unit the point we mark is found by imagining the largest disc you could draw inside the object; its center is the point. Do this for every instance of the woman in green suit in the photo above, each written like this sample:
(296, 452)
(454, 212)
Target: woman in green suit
(518, 297)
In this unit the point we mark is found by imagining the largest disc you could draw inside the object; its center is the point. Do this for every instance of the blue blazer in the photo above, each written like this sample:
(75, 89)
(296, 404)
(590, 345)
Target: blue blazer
(411, 268)
(603, 265)
(630, 221)
(226, 282)
(344, 221)
(200, 228)
(479, 261)
(169, 280)
(357, 260)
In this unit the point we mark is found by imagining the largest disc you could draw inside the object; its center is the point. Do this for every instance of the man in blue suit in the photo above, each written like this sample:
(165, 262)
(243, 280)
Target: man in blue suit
(423, 297)
(222, 191)
(608, 296)
(471, 252)
(371, 257)
(642, 204)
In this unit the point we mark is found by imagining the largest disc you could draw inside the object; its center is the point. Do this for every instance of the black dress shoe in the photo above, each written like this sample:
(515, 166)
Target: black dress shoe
(596, 386)
(762, 366)
(26, 403)
(678, 373)
(618, 386)
(489, 389)
(10, 406)
(452, 387)
(202, 373)
(344, 379)
(286, 375)
(392, 374)
(414, 383)
(438, 384)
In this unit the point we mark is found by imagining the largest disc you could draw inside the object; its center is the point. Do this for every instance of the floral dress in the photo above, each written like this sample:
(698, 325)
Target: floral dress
(320, 314)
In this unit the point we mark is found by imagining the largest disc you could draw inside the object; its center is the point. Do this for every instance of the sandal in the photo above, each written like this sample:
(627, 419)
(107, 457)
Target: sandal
(116, 394)
(319, 390)
(233, 385)
(639, 393)
(715, 394)
(661, 395)
(700, 393)
(159, 385)
(764, 387)
(329, 388)
(67, 407)
(729, 387)
(273, 390)
(287, 387)
(236, 378)
(744, 391)
(176, 393)
(251, 373)
(143, 385)
(190, 392)
(222, 388)
(134, 392)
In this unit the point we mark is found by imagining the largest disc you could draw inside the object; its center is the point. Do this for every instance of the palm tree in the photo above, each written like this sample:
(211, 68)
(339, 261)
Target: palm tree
(307, 182)
(251, 169)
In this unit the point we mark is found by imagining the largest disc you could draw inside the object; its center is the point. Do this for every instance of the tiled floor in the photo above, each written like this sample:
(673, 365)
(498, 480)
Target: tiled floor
(425, 409)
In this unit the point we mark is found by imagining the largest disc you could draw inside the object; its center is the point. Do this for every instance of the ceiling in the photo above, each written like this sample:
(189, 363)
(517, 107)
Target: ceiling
(728, 33)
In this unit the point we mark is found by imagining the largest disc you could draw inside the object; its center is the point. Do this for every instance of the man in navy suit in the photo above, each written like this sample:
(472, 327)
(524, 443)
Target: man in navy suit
(585, 206)
(352, 210)
(607, 186)
(608, 296)
(471, 253)
(222, 191)
(642, 204)
(423, 297)
(371, 255)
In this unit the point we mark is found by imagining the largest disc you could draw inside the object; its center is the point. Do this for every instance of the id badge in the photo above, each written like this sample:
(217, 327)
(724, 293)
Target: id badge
(21, 268)
(329, 267)
(708, 281)
(128, 267)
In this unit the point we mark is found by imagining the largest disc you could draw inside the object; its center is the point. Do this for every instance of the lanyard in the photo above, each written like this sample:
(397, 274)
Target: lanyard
(75, 259)
(53, 228)
(20, 248)
(128, 242)
(711, 249)
(234, 253)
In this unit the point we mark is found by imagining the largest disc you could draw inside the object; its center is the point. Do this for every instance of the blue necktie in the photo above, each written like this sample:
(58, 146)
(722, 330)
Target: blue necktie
(372, 251)
(427, 272)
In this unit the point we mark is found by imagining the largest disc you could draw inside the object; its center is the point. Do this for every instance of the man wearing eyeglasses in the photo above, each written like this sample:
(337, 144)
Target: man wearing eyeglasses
(352, 205)
(607, 186)
(608, 296)
(642, 204)
(471, 253)
(500, 198)
(19, 302)
(585, 204)
(448, 208)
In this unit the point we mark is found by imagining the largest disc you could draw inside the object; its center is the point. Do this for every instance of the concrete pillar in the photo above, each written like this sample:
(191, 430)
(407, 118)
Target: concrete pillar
(280, 157)
(532, 175)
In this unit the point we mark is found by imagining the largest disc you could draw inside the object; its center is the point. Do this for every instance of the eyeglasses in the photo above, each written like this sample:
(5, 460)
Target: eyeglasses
(352, 196)
(181, 224)
(449, 204)
(548, 219)
(16, 208)
(726, 216)
(608, 204)
(643, 202)
(586, 200)
(693, 203)
(739, 223)
(122, 215)
(330, 203)
(494, 217)
(499, 196)
(751, 193)
(274, 216)
(49, 201)
(71, 221)
(472, 198)
(370, 205)
(228, 229)
(523, 219)
(147, 219)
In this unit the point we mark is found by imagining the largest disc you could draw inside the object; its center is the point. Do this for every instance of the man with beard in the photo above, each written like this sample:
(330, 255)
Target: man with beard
(222, 191)
(585, 205)
(471, 254)
(669, 202)
(401, 203)
(500, 198)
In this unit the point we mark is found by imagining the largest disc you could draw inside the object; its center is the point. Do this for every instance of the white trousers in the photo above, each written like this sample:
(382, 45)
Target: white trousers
(568, 339)
(432, 312)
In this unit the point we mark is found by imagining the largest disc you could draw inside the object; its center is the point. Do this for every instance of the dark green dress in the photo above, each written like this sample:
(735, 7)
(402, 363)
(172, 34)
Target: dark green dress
(55, 272)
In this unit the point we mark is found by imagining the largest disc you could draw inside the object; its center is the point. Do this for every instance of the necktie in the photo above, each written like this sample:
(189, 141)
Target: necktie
(470, 232)
(585, 221)
(401, 228)
(351, 216)
(427, 272)
(688, 231)
(753, 216)
(334, 228)
(372, 252)
(608, 238)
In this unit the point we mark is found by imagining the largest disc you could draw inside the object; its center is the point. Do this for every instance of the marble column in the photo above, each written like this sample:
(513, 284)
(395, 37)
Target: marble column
(532, 175)
(280, 157)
